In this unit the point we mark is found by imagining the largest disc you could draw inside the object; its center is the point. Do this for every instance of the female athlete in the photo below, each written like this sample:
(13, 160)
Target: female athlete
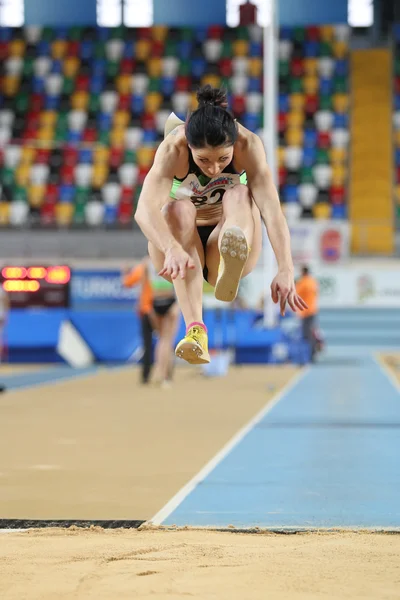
(201, 208)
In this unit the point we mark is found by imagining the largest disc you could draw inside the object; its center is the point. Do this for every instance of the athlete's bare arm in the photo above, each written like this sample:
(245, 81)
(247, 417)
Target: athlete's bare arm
(250, 156)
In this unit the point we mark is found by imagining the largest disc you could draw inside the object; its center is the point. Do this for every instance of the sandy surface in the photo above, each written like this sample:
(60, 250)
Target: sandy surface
(103, 447)
(391, 361)
(44, 565)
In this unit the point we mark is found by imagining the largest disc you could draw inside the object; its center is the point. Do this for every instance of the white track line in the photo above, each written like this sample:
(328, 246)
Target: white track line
(386, 371)
(225, 450)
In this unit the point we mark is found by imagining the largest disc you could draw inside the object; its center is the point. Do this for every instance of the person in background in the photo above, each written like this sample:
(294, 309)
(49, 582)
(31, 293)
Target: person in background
(307, 288)
(159, 312)
(4, 308)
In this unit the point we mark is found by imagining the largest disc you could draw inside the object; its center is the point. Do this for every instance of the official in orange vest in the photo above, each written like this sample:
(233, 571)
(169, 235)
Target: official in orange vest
(307, 288)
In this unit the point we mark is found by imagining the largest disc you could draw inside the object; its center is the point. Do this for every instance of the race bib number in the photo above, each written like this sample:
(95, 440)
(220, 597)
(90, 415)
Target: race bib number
(209, 194)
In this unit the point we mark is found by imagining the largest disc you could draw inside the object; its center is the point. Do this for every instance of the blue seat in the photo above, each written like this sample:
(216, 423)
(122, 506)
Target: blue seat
(311, 49)
(397, 102)
(325, 86)
(255, 49)
(200, 34)
(103, 33)
(60, 33)
(129, 49)
(74, 137)
(339, 211)
(185, 48)
(67, 193)
(198, 66)
(150, 136)
(104, 121)
(56, 67)
(310, 138)
(251, 121)
(110, 214)
(167, 85)
(85, 156)
(254, 84)
(5, 34)
(86, 49)
(99, 67)
(43, 48)
(340, 121)
(137, 104)
(341, 67)
(283, 103)
(286, 33)
(96, 84)
(37, 85)
(51, 102)
(396, 32)
(397, 157)
(290, 193)
(309, 156)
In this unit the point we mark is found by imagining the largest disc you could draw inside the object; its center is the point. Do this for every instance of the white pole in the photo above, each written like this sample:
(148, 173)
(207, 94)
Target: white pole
(270, 141)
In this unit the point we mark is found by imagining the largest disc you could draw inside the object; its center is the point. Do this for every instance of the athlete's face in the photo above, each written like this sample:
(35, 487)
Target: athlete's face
(212, 161)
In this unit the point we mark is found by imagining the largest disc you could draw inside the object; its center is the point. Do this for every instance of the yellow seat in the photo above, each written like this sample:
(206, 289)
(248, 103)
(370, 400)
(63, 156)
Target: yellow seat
(48, 118)
(397, 194)
(193, 104)
(396, 134)
(145, 156)
(213, 80)
(296, 101)
(338, 156)
(79, 100)
(311, 84)
(45, 133)
(117, 137)
(154, 67)
(4, 213)
(99, 175)
(10, 85)
(101, 155)
(339, 174)
(152, 102)
(22, 174)
(64, 213)
(326, 33)
(58, 49)
(322, 210)
(240, 48)
(28, 154)
(340, 102)
(71, 66)
(36, 195)
(295, 118)
(142, 49)
(16, 48)
(159, 33)
(121, 118)
(255, 66)
(310, 66)
(340, 49)
(294, 136)
(124, 84)
(280, 155)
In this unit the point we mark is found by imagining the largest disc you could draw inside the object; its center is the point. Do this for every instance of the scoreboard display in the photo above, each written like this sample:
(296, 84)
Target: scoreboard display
(36, 286)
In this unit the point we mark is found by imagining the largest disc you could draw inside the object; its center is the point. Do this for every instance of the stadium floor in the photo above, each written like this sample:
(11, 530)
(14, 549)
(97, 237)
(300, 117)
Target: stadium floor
(276, 449)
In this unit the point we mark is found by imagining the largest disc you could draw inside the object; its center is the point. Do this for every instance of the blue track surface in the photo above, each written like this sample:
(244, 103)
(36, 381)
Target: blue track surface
(44, 376)
(326, 456)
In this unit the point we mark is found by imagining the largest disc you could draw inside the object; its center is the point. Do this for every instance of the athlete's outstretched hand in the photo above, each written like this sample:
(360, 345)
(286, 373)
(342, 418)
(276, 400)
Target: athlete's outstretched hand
(283, 290)
(176, 261)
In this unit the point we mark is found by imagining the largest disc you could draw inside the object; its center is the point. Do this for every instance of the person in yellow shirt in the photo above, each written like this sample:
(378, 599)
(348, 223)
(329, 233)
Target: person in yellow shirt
(158, 311)
(307, 288)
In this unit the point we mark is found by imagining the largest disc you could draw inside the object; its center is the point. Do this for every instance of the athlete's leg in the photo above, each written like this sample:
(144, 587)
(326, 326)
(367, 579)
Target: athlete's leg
(241, 218)
(181, 218)
(164, 349)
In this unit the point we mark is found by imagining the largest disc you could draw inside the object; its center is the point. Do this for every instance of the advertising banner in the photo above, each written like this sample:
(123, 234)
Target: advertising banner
(101, 289)
(320, 242)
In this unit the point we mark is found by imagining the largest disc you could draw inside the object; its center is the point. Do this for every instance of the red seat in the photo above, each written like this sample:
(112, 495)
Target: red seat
(215, 32)
(70, 156)
(82, 83)
(43, 155)
(142, 174)
(32, 118)
(183, 83)
(312, 34)
(238, 105)
(225, 67)
(3, 50)
(297, 67)
(37, 102)
(125, 210)
(116, 156)
(67, 174)
(90, 135)
(148, 121)
(124, 102)
(127, 194)
(337, 194)
(282, 173)
(324, 139)
(282, 121)
(144, 33)
(157, 49)
(52, 193)
(311, 104)
(48, 213)
(29, 134)
(127, 66)
(73, 49)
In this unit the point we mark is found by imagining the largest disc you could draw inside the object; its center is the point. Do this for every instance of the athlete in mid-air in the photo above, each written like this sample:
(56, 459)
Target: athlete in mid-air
(201, 208)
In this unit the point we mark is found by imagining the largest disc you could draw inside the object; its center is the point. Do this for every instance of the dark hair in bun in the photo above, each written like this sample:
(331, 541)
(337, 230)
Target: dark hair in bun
(212, 124)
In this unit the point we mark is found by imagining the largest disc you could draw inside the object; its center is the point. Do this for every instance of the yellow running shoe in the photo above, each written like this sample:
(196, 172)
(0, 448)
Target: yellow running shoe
(194, 346)
(234, 254)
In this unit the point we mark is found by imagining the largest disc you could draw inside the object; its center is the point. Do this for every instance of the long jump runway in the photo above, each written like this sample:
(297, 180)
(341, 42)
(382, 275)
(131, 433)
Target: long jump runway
(276, 448)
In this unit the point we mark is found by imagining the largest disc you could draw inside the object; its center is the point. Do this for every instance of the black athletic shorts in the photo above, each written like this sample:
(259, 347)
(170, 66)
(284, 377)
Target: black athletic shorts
(162, 305)
(204, 233)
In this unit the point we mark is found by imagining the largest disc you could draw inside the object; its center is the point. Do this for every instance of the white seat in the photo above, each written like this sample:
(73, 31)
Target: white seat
(255, 33)
(83, 174)
(41, 66)
(108, 101)
(170, 66)
(5, 136)
(128, 174)
(114, 49)
(19, 212)
(53, 84)
(307, 194)
(212, 50)
(140, 83)
(111, 193)
(323, 120)
(322, 176)
(326, 66)
(396, 120)
(239, 84)
(340, 138)
(77, 120)
(94, 213)
(133, 137)
(180, 102)
(342, 32)
(254, 102)
(12, 155)
(7, 117)
(293, 157)
(285, 49)
(161, 118)
(240, 65)
(39, 174)
(32, 33)
(14, 65)
(292, 211)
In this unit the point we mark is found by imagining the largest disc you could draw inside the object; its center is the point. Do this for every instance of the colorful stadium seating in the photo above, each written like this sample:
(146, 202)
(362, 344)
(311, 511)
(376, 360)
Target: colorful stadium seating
(82, 112)
(396, 117)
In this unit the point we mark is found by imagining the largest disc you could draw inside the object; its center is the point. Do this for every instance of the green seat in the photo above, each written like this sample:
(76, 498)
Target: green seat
(118, 33)
(322, 157)
(306, 175)
(296, 85)
(187, 34)
(184, 68)
(398, 212)
(75, 34)
(79, 213)
(397, 65)
(242, 33)
(47, 34)
(19, 193)
(112, 68)
(130, 157)
(171, 48)
(60, 135)
(99, 50)
(325, 49)
(325, 103)
(82, 195)
(154, 85)
(7, 176)
(340, 84)
(94, 103)
(226, 49)
(28, 67)
(226, 83)
(299, 34)
(104, 138)
(22, 102)
(68, 86)
(283, 68)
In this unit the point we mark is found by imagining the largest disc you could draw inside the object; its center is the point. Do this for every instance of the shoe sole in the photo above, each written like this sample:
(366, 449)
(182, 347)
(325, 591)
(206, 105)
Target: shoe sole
(192, 353)
(234, 253)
